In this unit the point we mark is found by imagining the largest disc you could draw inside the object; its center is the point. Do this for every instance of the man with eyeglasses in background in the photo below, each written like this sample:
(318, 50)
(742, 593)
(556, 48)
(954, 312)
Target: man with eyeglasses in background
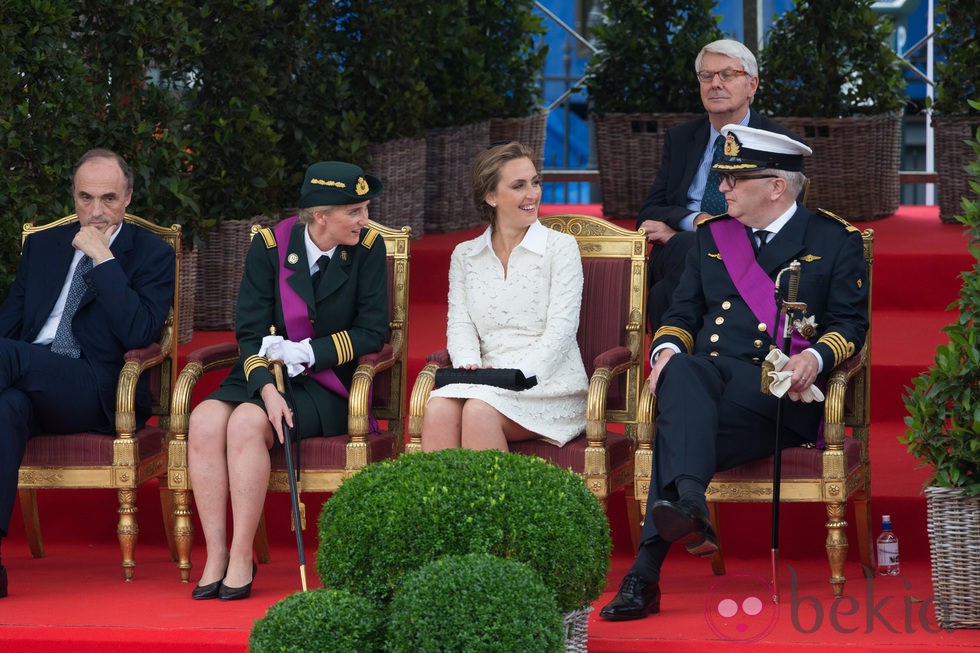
(684, 193)
(84, 294)
(707, 355)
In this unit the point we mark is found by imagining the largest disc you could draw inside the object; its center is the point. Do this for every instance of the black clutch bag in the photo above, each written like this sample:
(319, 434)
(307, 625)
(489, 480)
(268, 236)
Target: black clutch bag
(509, 379)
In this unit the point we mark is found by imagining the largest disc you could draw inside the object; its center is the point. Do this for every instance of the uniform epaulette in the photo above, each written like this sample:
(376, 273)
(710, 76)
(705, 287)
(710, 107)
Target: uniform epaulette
(834, 216)
(714, 217)
(369, 238)
(268, 237)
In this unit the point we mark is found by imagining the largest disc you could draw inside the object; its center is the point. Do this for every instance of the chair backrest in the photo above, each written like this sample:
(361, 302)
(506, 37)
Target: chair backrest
(160, 379)
(613, 300)
(388, 400)
(857, 402)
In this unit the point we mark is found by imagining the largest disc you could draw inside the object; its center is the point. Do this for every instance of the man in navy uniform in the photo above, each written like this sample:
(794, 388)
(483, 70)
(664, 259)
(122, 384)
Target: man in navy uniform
(84, 294)
(707, 354)
(685, 192)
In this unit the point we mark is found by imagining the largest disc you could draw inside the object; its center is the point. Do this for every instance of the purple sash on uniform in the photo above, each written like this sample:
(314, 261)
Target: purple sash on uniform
(295, 312)
(751, 281)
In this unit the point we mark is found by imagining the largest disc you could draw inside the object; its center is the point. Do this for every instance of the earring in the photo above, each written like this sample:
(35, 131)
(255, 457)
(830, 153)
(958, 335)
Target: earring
(493, 205)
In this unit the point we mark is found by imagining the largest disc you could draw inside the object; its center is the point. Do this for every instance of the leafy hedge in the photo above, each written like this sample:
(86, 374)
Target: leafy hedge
(395, 516)
(958, 42)
(319, 621)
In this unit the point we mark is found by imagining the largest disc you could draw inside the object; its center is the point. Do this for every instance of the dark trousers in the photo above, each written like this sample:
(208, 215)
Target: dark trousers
(40, 391)
(702, 428)
(664, 270)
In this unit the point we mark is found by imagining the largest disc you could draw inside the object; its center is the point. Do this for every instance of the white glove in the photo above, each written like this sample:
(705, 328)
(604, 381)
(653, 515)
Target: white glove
(296, 356)
(782, 380)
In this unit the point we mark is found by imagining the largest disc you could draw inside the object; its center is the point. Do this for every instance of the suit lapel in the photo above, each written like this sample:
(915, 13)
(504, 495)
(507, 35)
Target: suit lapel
(297, 262)
(786, 245)
(695, 150)
(337, 272)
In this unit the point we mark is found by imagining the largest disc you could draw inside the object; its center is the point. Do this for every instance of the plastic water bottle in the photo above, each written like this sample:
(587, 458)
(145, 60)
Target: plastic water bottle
(887, 549)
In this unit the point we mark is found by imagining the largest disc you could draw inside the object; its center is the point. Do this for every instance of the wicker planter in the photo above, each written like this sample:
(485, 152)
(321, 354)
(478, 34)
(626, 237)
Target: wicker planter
(220, 264)
(841, 146)
(449, 154)
(577, 630)
(397, 164)
(629, 148)
(529, 130)
(953, 153)
(953, 523)
(188, 292)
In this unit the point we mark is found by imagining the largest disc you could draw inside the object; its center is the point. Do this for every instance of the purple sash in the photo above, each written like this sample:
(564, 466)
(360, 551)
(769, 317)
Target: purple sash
(295, 312)
(751, 281)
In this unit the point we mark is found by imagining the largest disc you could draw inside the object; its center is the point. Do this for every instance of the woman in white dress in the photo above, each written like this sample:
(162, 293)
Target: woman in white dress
(515, 293)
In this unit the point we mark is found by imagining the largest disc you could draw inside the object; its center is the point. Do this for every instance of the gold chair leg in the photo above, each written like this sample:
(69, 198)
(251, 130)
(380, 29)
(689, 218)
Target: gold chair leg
(32, 523)
(167, 510)
(717, 560)
(862, 515)
(183, 532)
(836, 545)
(261, 542)
(128, 531)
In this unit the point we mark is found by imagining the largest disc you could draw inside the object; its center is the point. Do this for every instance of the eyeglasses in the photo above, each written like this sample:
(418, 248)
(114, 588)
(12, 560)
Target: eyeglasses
(726, 75)
(730, 179)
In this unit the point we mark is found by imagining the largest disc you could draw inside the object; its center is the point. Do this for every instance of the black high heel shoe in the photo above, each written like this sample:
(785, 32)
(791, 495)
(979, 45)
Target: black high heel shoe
(209, 591)
(226, 593)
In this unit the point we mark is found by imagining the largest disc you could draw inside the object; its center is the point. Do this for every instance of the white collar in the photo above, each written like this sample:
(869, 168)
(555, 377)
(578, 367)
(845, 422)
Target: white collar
(313, 253)
(779, 222)
(535, 240)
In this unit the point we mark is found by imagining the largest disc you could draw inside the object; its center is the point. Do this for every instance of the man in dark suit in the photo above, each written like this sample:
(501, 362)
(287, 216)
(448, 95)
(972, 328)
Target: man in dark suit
(84, 294)
(684, 193)
(707, 354)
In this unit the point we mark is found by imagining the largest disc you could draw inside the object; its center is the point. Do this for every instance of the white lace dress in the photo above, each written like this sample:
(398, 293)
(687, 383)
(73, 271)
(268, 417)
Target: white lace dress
(526, 320)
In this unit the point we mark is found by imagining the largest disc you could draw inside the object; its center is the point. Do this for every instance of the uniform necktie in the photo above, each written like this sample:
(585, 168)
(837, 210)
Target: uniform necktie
(763, 239)
(321, 265)
(64, 342)
(713, 200)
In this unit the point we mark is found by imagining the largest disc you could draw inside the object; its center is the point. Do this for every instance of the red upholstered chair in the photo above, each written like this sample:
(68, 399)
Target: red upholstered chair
(380, 379)
(832, 476)
(610, 337)
(120, 461)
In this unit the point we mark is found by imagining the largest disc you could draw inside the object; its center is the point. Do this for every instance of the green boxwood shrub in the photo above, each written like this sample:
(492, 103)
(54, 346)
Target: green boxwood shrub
(319, 621)
(476, 603)
(958, 43)
(395, 516)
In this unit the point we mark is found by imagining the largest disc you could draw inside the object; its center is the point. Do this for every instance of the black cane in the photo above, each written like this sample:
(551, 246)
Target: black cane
(291, 472)
(786, 309)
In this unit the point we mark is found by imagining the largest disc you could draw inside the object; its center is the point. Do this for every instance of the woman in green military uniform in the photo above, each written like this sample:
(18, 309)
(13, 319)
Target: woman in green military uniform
(320, 279)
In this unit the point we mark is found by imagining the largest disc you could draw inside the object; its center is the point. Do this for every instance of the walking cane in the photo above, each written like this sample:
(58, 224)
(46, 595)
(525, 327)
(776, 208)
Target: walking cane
(277, 366)
(785, 307)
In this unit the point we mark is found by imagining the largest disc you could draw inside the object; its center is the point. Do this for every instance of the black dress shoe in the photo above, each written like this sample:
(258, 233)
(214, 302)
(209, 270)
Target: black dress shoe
(209, 591)
(226, 593)
(686, 523)
(3, 581)
(635, 600)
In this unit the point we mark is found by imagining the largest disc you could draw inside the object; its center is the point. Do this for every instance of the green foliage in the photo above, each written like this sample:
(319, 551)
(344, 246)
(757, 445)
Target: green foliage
(479, 60)
(943, 403)
(319, 621)
(646, 56)
(830, 59)
(958, 49)
(395, 516)
(476, 603)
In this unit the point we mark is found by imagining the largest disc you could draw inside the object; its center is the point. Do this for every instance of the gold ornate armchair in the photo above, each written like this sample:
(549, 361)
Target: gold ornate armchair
(832, 476)
(380, 380)
(122, 461)
(611, 339)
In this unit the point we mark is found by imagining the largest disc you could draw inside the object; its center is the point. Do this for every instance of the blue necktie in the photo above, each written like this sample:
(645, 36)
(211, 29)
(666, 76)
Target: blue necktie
(64, 342)
(713, 201)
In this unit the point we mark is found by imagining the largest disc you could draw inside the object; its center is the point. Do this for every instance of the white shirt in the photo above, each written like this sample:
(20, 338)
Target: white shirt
(313, 253)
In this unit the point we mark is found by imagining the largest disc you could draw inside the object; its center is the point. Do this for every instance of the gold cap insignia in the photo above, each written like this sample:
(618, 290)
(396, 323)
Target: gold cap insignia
(343, 255)
(324, 182)
(293, 258)
(732, 148)
(362, 186)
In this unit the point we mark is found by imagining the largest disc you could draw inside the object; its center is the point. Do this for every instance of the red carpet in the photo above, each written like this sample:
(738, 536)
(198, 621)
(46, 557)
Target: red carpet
(74, 598)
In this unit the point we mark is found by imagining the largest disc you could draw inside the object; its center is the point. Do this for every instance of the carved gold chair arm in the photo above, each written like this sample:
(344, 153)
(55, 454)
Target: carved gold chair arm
(607, 365)
(424, 384)
(368, 367)
(137, 361)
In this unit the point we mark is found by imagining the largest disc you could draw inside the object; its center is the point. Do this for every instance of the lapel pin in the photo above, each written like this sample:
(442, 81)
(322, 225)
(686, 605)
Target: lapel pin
(293, 258)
